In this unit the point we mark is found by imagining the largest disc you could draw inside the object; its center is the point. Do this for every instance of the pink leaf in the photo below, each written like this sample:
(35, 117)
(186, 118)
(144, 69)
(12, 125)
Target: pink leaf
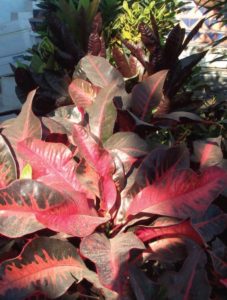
(25, 125)
(82, 92)
(45, 265)
(52, 163)
(181, 194)
(101, 161)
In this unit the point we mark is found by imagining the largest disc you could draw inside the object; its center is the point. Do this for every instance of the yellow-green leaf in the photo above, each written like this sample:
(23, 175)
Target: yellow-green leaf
(26, 172)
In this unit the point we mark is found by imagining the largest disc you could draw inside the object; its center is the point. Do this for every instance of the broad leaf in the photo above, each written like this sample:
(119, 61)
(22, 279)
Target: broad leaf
(82, 92)
(127, 146)
(156, 163)
(148, 94)
(88, 177)
(25, 125)
(26, 172)
(111, 257)
(167, 250)
(68, 115)
(219, 259)
(181, 194)
(127, 142)
(18, 204)
(52, 163)
(8, 168)
(45, 265)
(191, 281)
(143, 287)
(212, 223)
(182, 229)
(101, 161)
(181, 72)
(208, 152)
(27, 206)
(51, 126)
(103, 113)
(180, 116)
(99, 71)
(76, 217)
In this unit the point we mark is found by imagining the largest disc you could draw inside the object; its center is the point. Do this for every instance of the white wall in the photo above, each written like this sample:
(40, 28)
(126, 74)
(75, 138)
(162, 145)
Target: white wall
(8, 6)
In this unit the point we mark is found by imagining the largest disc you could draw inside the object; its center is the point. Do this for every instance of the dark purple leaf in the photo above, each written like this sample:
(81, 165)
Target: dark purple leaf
(191, 282)
(148, 94)
(212, 223)
(111, 257)
(219, 259)
(143, 287)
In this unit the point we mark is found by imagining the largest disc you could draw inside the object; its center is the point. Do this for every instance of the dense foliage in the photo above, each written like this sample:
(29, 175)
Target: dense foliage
(96, 204)
(51, 62)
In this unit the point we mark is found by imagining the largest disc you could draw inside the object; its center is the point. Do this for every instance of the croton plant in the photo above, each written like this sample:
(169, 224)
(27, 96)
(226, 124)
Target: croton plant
(91, 209)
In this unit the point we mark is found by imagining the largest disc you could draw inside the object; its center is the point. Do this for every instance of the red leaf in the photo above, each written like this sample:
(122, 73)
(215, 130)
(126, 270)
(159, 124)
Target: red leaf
(18, 204)
(25, 125)
(27, 206)
(45, 265)
(75, 217)
(156, 164)
(148, 94)
(111, 257)
(52, 163)
(181, 194)
(8, 168)
(82, 92)
(101, 161)
(224, 282)
(182, 229)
